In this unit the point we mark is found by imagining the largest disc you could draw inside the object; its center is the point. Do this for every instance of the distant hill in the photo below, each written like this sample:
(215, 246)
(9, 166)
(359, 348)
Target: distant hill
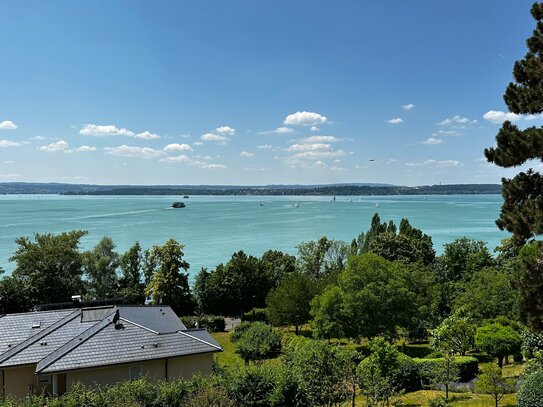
(326, 189)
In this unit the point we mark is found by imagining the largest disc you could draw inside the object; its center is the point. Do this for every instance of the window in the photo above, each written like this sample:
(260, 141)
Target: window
(134, 372)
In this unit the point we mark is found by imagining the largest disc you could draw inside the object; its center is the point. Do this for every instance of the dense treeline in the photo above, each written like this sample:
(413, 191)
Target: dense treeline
(339, 189)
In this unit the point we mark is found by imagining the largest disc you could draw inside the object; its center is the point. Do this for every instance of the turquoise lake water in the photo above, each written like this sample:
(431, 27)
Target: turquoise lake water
(214, 227)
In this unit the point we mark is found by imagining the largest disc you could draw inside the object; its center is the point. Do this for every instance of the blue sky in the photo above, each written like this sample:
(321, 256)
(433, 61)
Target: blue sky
(256, 92)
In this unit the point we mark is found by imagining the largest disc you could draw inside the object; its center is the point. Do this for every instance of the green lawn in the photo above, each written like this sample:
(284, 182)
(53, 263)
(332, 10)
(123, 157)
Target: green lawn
(421, 398)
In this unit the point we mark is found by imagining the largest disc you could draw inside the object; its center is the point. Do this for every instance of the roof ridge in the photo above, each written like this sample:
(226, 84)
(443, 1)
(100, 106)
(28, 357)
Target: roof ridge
(200, 340)
(39, 335)
(73, 343)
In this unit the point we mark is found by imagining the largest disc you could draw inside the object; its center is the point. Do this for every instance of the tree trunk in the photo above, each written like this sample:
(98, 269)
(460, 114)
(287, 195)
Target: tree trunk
(500, 361)
(297, 330)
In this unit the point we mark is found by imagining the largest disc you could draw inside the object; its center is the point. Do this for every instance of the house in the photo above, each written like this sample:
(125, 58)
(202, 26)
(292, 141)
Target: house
(49, 351)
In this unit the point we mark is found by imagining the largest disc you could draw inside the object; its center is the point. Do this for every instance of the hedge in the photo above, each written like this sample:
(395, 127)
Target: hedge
(212, 323)
(468, 367)
(256, 314)
(531, 391)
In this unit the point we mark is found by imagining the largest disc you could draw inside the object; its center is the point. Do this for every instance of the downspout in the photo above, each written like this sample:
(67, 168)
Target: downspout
(166, 368)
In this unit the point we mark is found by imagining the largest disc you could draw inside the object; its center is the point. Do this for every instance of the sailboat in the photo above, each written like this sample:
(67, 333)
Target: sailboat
(261, 204)
(296, 205)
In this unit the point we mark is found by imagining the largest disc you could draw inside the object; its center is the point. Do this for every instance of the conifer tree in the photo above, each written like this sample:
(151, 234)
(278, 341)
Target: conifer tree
(522, 210)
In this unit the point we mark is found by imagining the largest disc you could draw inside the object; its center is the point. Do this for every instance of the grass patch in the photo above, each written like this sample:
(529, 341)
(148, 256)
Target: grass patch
(422, 397)
(229, 358)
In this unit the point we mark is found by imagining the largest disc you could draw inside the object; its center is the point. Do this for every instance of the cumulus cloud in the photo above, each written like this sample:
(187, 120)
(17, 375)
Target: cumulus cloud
(10, 177)
(8, 125)
(319, 139)
(309, 147)
(279, 130)
(58, 146)
(408, 106)
(197, 143)
(38, 138)
(456, 121)
(264, 147)
(108, 130)
(225, 130)
(9, 143)
(84, 149)
(246, 154)
(133, 151)
(147, 135)
(436, 163)
(320, 154)
(396, 120)
(314, 128)
(432, 141)
(497, 116)
(183, 159)
(215, 137)
(104, 130)
(305, 119)
(177, 147)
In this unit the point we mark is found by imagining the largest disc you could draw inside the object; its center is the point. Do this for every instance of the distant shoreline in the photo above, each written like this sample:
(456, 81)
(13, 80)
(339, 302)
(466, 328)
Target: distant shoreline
(18, 188)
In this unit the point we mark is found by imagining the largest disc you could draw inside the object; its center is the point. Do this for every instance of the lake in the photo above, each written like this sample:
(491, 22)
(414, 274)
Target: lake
(214, 227)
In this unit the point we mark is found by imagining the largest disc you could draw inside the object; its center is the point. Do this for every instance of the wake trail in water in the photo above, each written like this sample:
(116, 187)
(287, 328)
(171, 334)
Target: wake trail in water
(107, 215)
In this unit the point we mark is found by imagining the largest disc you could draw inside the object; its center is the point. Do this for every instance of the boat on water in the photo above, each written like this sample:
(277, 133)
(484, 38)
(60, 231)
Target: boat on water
(296, 205)
(178, 205)
(261, 204)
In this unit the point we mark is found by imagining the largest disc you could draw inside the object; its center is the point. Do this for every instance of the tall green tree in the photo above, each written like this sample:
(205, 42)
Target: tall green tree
(311, 258)
(491, 381)
(522, 210)
(169, 282)
(455, 334)
(529, 282)
(100, 269)
(290, 302)
(131, 286)
(50, 266)
(498, 340)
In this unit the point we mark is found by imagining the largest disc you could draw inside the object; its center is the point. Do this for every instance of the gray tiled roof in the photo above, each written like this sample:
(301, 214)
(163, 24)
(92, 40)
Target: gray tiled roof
(129, 344)
(45, 344)
(156, 318)
(78, 338)
(16, 328)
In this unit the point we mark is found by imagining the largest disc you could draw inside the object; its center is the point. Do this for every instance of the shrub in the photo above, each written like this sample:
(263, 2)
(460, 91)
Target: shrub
(498, 340)
(467, 367)
(531, 391)
(259, 341)
(256, 314)
(438, 402)
(239, 331)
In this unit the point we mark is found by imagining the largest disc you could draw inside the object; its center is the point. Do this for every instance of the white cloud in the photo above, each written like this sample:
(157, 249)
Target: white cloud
(8, 125)
(319, 139)
(497, 116)
(436, 163)
(447, 133)
(10, 177)
(314, 128)
(9, 162)
(177, 159)
(432, 141)
(246, 154)
(177, 147)
(189, 161)
(84, 149)
(225, 130)
(338, 169)
(408, 107)
(9, 143)
(279, 130)
(456, 120)
(309, 147)
(133, 151)
(305, 119)
(320, 154)
(265, 147)
(396, 120)
(58, 146)
(38, 138)
(147, 135)
(197, 143)
(215, 137)
(104, 130)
